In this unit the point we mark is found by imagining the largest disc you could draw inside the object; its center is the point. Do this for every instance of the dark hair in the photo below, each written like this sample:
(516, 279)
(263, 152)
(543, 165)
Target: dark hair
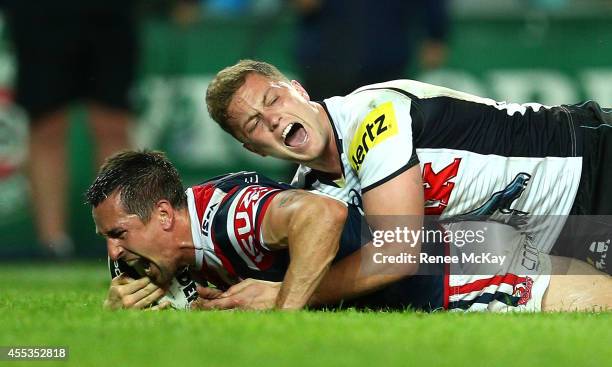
(222, 88)
(142, 179)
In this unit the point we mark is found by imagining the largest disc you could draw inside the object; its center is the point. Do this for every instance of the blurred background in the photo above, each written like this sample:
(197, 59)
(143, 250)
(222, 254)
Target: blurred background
(146, 86)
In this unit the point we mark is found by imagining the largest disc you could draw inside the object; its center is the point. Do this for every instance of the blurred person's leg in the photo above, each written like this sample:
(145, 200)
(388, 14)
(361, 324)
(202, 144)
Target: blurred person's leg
(49, 179)
(110, 128)
(112, 37)
(47, 69)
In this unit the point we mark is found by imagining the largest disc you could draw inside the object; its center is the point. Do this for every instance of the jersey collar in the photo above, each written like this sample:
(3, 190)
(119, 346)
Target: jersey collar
(338, 141)
(195, 229)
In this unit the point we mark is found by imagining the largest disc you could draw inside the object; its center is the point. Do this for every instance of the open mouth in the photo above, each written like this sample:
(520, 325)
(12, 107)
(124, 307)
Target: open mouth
(147, 269)
(143, 267)
(294, 135)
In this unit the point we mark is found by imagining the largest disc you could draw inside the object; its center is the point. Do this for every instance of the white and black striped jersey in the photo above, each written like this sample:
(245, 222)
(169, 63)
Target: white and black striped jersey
(478, 157)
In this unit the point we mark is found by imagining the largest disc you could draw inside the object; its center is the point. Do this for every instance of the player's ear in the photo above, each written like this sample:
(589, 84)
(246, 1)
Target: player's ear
(300, 89)
(250, 148)
(165, 213)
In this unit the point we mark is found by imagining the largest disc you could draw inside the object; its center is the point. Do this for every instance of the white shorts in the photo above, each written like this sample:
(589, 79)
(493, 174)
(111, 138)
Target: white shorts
(518, 284)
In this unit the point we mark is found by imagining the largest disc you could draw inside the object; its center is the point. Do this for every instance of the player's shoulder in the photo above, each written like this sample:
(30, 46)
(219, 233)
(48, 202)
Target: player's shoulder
(231, 181)
(219, 197)
(415, 90)
(375, 125)
(236, 195)
(350, 111)
(399, 91)
(402, 87)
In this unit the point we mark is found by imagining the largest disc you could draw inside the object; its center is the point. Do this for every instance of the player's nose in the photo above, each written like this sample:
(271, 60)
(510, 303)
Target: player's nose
(273, 121)
(114, 250)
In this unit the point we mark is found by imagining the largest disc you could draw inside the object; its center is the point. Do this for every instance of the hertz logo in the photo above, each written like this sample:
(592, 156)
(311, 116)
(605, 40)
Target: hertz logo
(378, 125)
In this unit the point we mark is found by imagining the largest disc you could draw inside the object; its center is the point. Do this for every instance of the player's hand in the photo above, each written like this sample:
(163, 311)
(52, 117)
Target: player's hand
(205, 295)
(208, 293)
(167, 305)
(250, 294)
(125, 292)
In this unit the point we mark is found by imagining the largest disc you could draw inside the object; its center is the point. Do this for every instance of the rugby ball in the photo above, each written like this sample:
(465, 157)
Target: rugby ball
(181, 293)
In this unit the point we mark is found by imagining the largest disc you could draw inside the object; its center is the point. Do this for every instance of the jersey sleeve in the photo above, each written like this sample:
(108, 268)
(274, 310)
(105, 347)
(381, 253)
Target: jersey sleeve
(237, 227)
(380, 142)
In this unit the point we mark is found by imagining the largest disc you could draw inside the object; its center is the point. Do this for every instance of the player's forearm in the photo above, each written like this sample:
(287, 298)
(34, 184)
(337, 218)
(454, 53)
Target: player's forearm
(349, 279)
(314, 235)
(362, 272)
(300, 283)
(359, 274)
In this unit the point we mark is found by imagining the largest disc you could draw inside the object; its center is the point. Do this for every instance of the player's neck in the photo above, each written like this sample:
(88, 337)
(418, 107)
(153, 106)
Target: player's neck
(329, 160)
(183, 238)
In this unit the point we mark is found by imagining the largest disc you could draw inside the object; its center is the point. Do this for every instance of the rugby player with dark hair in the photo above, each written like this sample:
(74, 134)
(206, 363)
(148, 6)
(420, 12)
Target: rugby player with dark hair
(406, 148)
(265, 245)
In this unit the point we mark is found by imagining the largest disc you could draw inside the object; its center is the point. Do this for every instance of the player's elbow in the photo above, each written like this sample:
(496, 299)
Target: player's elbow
(334, 215)
(332, 212)
(326, 217)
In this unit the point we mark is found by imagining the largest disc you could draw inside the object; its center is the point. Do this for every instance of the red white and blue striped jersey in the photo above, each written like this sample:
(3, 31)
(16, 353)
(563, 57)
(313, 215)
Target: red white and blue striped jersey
(226, 219)
(226, 222)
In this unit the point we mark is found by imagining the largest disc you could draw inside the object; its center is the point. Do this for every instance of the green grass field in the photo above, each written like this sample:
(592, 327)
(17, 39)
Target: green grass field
(60, 305)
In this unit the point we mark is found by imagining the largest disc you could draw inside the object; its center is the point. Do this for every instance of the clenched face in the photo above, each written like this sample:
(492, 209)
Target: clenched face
(277, 118)
(145, 246)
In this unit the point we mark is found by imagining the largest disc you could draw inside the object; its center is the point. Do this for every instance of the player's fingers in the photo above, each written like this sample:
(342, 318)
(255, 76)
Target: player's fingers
(218, 304)
(136, 285)
(148, 300)
(208, 292)
(121, 279)
(145, 291)
(197, 304)
(129, 300)
(237, 288)
(162, 306)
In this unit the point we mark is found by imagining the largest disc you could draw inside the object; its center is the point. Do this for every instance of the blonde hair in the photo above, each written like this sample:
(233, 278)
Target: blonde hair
(222, 88)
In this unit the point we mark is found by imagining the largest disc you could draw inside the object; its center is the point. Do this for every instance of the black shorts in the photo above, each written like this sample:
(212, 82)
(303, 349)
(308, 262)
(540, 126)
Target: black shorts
(587, 233)
(587, 238)
(83, 54)
(593, 126)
